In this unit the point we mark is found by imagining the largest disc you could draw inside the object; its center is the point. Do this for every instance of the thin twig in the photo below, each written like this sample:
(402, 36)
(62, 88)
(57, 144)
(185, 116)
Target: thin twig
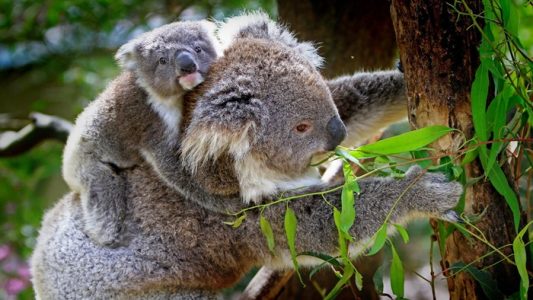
(41, 128)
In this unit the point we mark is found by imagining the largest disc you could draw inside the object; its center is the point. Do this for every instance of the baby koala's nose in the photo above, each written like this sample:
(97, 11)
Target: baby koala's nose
(185, 62)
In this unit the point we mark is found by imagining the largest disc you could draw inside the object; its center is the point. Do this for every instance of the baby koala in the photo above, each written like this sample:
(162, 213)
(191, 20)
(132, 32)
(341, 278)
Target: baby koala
(135, 119)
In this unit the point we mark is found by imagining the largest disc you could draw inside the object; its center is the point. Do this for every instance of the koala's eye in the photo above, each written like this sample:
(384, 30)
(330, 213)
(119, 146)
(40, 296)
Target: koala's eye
(162, 60)
(302, 127)
(198, 49)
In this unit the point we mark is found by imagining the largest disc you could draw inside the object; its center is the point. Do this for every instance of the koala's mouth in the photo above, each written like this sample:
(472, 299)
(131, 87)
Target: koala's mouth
(189, 81)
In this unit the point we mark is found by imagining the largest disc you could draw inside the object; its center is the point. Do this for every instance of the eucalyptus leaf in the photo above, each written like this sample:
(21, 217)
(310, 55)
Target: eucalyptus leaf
(397, 144)
(237, 222)
(520, 258)
(379, 241)
(290, 231)
(267, 232)
(348, 272)
(403, 233)
(478, 96)
(396, 274)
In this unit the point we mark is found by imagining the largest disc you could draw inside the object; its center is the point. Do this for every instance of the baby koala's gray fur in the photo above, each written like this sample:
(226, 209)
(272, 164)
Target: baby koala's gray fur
(249, 108)
(136, 118)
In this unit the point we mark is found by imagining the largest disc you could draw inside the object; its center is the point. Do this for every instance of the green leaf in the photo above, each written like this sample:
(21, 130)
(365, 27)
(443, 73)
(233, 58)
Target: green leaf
(346, 155)
(349, 178)
(348, 272)
(347, 217)
(443, 235)
(510, 16)
(343, 248)
(520, 258)
(422, 154)
(379, 241)
(290, 231)
(500, 118)
(267, 232)
(378, 279)
(478, 95)
(326, 258)
(499, 181)
(487, 283)
(403, 232)
(317, 268)
(398, 144)
(469, 156)
(396, 274)
(358, 280)
(237, 222)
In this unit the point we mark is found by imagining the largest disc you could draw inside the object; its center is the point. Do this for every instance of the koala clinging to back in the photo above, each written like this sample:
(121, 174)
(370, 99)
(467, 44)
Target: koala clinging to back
(135, 119)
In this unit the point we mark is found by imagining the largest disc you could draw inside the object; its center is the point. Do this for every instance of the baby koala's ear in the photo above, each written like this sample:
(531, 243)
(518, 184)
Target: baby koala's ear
(211, 28)
(126, 55)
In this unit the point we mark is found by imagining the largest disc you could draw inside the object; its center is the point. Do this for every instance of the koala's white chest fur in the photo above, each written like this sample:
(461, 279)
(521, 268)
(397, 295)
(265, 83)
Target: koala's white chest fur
(170, 111)
(256, 180)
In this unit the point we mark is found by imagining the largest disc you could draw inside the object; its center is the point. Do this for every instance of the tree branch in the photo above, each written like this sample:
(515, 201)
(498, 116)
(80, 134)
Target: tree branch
(42, 127)
(266, 284)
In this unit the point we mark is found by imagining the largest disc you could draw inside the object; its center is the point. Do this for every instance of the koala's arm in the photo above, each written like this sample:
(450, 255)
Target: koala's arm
(91, 168)
(420, 194)
(368, 102)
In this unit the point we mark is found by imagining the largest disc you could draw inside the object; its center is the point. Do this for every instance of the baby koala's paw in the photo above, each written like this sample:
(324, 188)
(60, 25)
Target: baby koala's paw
(433, 193)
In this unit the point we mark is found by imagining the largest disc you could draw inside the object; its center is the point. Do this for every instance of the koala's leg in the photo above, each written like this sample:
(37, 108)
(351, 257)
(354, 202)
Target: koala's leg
(104, 203)
(419, 194)
(368, 102)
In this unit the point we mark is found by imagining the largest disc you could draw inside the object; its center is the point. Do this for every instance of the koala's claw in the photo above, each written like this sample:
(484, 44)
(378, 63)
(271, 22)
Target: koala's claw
(452, 216)
(107, 238)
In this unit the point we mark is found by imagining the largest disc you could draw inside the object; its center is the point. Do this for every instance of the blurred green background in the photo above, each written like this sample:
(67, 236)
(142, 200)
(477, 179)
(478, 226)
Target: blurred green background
(55, 57)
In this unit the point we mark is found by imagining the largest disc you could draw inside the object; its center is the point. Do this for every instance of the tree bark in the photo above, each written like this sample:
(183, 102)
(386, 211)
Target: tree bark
(439, 52)
(351, 34)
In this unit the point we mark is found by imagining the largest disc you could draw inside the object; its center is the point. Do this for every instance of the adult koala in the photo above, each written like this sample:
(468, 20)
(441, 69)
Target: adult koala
(242, 130)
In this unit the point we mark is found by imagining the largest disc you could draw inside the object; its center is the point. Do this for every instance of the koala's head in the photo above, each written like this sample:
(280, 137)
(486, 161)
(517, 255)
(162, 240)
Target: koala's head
(265, 104)
(172, 58)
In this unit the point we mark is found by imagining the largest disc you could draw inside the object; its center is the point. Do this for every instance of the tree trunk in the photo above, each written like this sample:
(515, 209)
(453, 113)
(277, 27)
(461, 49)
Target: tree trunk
(352, 35)
(439, 52)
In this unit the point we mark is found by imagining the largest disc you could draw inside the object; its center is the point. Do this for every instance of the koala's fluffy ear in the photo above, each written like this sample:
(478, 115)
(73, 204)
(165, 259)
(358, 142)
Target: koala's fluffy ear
(259, 25)
(126, 55)
(211, 28)
(223, 121)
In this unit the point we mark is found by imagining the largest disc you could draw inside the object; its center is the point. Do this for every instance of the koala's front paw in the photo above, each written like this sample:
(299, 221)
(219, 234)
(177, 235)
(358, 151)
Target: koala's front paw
(105, 236)
(109, 239)
(433, 193)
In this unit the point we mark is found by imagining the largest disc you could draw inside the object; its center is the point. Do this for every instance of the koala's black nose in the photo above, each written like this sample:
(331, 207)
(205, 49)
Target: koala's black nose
(185, 62)
(336, 131)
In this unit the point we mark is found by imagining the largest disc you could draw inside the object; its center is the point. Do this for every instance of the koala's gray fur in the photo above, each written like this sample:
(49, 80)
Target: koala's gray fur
(178, 247)
(136, 118)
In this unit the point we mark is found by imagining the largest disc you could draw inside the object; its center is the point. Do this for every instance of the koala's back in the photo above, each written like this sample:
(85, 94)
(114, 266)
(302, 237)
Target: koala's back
(176, 246)
(120, 114)
(112, 128)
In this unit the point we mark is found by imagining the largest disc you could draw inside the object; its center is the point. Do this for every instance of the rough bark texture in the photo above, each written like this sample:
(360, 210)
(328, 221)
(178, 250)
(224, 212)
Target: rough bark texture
(352, 34)
(439, 55)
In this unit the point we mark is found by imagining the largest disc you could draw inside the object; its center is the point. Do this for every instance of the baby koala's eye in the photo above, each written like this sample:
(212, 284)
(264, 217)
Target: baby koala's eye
(198, 49)
(302, 127)
(162, 60)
